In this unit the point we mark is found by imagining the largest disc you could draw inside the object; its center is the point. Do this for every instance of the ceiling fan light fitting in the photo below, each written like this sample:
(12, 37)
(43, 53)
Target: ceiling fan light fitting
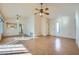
(40, 14)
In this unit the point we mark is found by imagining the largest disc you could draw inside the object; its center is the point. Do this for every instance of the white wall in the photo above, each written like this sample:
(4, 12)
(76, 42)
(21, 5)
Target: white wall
(29, 26)
(67, 26)
(37, 25)
(44, 26)
(41, 26)
(77, 26)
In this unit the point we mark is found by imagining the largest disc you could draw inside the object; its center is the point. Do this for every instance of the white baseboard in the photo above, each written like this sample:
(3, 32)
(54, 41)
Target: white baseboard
(63, 37)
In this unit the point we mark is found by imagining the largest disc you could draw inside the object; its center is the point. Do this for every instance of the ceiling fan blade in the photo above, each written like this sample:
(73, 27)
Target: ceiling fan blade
(46, 13)
(36, 9)
(46, 9)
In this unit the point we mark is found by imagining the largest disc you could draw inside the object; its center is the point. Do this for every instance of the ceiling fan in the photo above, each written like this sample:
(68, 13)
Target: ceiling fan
(42, 10)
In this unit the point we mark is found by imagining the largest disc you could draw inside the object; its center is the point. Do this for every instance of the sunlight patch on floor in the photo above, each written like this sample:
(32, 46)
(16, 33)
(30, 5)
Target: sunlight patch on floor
(13, 49)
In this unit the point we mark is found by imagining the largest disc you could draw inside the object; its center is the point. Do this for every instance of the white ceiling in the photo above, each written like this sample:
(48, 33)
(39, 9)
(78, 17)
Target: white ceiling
(27, 9)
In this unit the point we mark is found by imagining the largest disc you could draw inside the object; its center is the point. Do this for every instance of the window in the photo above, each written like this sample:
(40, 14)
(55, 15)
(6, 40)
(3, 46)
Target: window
(57, 28)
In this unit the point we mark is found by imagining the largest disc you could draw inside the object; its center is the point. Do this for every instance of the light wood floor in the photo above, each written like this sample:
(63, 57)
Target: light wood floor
(50, 46)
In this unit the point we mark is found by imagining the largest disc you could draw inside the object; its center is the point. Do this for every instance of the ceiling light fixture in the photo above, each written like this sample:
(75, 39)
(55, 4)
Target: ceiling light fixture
(42, 10)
